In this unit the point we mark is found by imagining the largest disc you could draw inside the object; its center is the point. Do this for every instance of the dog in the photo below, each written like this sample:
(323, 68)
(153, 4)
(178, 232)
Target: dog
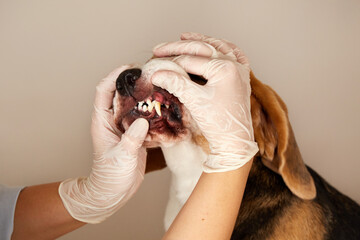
(283, 199)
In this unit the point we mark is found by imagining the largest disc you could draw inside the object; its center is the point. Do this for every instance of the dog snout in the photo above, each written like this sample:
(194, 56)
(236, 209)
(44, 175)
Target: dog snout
(125, 83)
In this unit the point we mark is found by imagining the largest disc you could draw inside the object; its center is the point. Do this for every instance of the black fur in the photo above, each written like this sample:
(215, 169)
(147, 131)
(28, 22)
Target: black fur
(267, 198)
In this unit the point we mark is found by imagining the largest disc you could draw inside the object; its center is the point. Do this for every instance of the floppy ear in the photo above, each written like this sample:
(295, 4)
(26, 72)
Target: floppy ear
(276, 140)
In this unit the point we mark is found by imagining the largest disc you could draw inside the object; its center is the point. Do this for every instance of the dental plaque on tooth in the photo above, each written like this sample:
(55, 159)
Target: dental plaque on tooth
(149, 106)
(162, 110)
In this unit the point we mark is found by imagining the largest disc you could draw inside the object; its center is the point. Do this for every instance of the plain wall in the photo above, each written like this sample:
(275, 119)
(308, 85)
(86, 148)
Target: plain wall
(53, 53)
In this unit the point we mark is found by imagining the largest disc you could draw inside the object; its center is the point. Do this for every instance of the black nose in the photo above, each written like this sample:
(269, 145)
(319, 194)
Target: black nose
(125, 83)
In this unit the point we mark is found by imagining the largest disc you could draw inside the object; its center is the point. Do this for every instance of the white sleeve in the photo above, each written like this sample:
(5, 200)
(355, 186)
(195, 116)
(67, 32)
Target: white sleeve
(8, 198)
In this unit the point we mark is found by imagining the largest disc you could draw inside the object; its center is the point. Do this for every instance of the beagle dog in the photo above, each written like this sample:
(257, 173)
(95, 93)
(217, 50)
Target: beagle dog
(283, 199)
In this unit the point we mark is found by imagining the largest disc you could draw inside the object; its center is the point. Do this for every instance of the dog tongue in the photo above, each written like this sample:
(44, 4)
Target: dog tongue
(158, 97)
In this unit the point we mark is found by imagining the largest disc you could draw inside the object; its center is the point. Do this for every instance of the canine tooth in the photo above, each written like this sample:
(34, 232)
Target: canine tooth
(158, 108)
(144, 108)
(167, 106)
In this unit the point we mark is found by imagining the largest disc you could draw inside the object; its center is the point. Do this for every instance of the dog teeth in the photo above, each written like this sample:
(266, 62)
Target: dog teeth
(148, 102)
(158, 108)
(167, 106)
(148, 106)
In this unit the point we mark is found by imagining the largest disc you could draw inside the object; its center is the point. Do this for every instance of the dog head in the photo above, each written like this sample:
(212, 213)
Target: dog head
(135, 97)
(170, 122)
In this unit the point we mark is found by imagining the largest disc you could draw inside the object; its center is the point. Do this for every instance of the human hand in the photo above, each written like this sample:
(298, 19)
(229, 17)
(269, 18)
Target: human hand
(119, 162)
(221, 108)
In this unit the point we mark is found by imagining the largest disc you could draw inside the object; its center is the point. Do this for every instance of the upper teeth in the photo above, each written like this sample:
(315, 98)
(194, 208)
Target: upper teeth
(157, 107)
(148, 106)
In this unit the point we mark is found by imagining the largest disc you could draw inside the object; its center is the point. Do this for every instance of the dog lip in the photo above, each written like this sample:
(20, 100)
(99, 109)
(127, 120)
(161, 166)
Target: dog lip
(158, 94)
(145, 115)
(159, 97)
(170, 119)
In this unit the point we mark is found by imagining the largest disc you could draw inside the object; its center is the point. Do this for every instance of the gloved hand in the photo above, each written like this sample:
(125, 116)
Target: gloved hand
(119, 162)
(221, 108)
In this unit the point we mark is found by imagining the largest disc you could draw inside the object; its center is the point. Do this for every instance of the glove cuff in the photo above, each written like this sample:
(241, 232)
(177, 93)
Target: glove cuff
(223, 162)
(84, 205)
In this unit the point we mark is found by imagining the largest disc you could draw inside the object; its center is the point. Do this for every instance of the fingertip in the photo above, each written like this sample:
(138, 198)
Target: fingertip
(185, 35)
(105, 89)
(159, 53)
(158, 78)
(116, 72)
(138, 129)
(190, 35)
(142, 122)
(159, 46)
(168, 80)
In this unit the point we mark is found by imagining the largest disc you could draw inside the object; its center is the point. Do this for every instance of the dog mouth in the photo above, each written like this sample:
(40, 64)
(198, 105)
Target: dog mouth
(161, 109)
(137, 98)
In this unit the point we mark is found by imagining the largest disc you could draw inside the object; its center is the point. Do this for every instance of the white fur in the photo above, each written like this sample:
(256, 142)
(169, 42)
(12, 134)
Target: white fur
(183, 157)
(184, 160)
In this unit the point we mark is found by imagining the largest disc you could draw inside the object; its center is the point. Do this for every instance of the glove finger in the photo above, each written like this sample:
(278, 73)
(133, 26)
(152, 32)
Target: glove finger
(134, 137)
(239, 54)
(206, 67)
(127, 150)
(222, 45)
(218, 44)
(186, 47)
(105, 90)
(179, 85)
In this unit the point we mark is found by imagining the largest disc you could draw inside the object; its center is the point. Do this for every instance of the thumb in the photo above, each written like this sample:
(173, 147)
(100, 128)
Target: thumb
(177, 84)
(136, 133)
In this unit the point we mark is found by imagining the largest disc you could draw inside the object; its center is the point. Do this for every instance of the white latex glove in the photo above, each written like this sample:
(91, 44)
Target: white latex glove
(119, 162)
(221, 108)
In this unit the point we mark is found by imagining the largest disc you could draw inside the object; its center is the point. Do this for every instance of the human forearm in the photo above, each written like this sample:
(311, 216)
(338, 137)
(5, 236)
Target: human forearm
(40, 214)
(211, 209)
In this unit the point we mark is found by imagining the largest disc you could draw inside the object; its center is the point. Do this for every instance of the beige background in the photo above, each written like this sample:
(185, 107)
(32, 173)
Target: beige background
(53, 53)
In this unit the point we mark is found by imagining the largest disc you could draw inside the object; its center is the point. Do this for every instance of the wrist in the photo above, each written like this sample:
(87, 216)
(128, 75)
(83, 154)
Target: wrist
(85, 203)
(223, 161)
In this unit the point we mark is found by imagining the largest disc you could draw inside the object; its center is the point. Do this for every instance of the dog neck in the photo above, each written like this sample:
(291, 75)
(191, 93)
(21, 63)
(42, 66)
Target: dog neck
(184, 159)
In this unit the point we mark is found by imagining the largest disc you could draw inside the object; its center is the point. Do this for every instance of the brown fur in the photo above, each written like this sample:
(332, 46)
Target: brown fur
(292, 224)
(269, 210)
(273, 132)
(201, 141)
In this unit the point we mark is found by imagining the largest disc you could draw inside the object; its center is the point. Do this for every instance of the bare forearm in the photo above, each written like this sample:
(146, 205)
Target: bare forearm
(40, 214)
(212, 208)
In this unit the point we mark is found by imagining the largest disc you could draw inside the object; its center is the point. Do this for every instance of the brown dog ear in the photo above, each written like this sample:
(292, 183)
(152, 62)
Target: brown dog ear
(276, 140)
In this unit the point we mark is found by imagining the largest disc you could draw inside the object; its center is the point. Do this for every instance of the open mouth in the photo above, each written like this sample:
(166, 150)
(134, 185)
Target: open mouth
(161, 109)
(136, 98)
